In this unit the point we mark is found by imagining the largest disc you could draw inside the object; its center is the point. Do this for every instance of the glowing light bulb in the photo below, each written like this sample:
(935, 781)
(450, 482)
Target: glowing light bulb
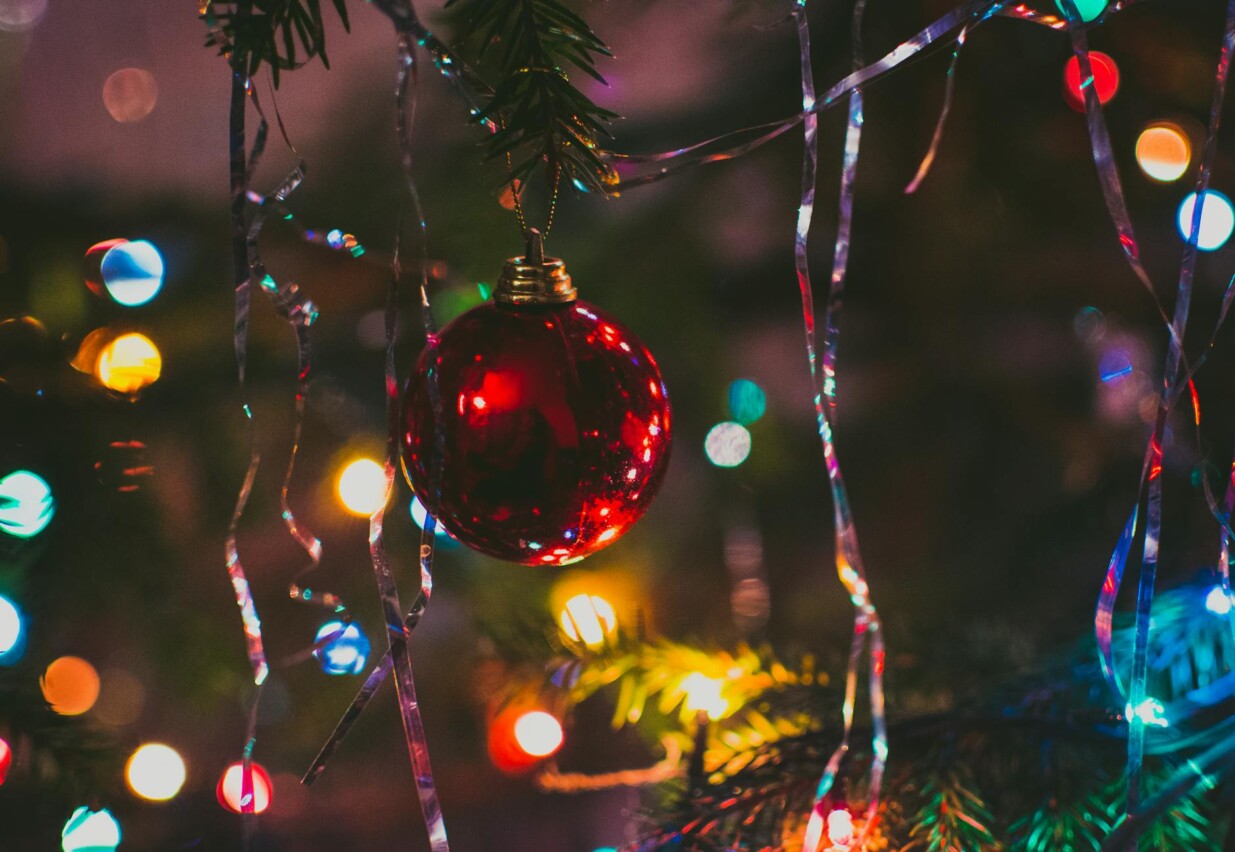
(362, 487)
(6, 760)
(347, 653)
(1163, 151)
(840, 828)
(90, 831)
(129, 363)
(1105, 79)
(727, 444)
(1089, 10)
(538, 733)
(747, 401)
(26, 504)
(1217, 220)
(589, 619)
(11, 631)
(1218, 601)
(1150, 712)
(704, 693)
(230, 787)
(155, 772)
(70, 685)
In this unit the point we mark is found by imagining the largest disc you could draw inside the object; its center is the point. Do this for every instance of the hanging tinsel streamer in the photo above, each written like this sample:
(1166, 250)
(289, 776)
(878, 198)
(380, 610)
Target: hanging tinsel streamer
(1152, 469)
(949, 89)
(399, 627)
(866, 627)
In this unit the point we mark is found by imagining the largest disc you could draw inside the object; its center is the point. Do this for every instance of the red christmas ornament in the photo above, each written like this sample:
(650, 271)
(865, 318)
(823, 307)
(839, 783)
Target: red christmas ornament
(554, 421)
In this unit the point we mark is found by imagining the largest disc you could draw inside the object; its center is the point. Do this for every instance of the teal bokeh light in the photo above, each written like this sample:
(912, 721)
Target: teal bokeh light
(1089, 10)
(747, 401)
(90, 831)
(132, 272)
(12, 632)
(26, 504)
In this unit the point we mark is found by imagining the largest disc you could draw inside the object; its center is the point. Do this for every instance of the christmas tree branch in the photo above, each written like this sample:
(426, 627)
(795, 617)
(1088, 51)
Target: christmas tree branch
(282, 34)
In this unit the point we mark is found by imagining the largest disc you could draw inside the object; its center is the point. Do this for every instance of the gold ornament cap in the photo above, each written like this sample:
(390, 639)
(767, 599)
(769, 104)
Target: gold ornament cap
(534, 279)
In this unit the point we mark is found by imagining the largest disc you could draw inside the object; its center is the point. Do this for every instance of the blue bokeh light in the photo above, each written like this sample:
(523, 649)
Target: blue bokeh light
(26, 504)
(347, 653)
(132, 272)
(12, 632)
(747, 401)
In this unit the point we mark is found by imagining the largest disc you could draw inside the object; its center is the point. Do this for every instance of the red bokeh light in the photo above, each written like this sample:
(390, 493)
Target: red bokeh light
(1105, 79)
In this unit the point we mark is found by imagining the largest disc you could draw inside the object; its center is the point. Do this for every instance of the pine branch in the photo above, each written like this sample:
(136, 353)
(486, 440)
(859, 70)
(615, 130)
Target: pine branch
(542, 117)
(283, 34)
(952, 815)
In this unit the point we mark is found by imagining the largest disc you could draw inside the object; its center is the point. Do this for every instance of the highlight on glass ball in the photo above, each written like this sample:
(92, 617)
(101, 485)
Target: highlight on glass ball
(129, 364)
(12, 632)
(555, 422)
(130, 273)
(130, 94)
(1217, 220)
(1164, 152)
(588, 619)
(90, 831)
(727, 444)
(420, 516)
(362, 487)
(26, 504)
(344, 654)
(155, 772)
(230, 789)
(1105, 80)
(70, 685)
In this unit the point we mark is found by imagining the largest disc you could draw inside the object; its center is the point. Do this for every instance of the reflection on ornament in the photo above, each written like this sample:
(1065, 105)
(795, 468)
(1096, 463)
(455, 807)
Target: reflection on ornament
(1218, 601)
(26, 504)
(556, 430)
(727, 444)
(12, 631)
(538, 733)
(420, 516)
(155, 772)
(1089, 10)
(90, 831)
(70, 685)
(129, 364)
(1163, 151)
(1217, 220)
(589, 619)
(704, 693)
(1105, 79)
(6, 760)
(130, 94)
(347, 653)
(230, 786)
(362, 487)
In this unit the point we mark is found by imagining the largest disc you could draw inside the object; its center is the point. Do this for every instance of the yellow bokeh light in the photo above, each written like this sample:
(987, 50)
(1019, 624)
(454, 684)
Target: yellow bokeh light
(703, 693)
(538, 733)
(155, 772)
(1163, 152)
(129, 363)
(70, 685)
(589, 619)
(362, 487)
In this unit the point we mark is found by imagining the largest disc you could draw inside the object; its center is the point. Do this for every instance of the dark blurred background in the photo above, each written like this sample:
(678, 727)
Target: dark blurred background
(990, 465)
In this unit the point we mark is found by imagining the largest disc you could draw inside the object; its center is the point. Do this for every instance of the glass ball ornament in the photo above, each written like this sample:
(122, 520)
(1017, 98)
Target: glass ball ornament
(555, 422)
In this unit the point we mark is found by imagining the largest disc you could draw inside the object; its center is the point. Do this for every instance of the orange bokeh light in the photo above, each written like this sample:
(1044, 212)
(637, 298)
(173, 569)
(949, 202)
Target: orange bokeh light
(70, 685)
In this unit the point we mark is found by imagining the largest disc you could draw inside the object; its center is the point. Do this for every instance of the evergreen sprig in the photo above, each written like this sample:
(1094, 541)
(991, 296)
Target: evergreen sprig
(952, 815)
(283, 34)
(526, 46)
